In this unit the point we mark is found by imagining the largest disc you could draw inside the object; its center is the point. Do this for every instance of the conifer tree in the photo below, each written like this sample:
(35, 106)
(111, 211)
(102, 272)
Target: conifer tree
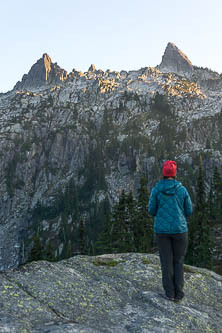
(118, 229)
(36, 251)
(217, 195)
(123, 221)
(210, 203)
(70, 198)
(49, 253)
(200, 242)
(144, 223)
(129, 228)
(112, 238)
(131, 219)
(91, 251)
(82, 236)
(104, 242)
(69, 249)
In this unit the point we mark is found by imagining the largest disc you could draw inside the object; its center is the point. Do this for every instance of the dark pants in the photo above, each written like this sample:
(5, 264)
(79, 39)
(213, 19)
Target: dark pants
(172, 249)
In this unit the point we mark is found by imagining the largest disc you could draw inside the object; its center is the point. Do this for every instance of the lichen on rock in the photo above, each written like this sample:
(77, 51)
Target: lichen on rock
(75, 295)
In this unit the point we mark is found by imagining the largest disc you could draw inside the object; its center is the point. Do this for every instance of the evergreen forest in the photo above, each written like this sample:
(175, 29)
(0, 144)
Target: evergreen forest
(127, 226)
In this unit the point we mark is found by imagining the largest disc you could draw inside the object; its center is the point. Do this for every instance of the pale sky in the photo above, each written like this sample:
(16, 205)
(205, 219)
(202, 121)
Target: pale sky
(112, 34)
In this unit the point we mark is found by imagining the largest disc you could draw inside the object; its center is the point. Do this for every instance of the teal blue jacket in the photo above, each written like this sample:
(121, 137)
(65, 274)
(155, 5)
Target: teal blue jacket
(170, 204)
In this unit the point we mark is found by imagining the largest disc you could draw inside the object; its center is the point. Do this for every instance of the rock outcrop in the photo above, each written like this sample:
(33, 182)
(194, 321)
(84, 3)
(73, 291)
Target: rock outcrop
(110, 293)
(175, 60)
(42, 73)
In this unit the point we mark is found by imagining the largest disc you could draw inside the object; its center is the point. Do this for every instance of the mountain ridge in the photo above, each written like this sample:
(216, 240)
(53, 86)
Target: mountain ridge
(45, 72)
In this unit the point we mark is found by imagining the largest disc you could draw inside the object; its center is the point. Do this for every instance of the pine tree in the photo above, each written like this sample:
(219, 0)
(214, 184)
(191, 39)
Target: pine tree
(36, 251)
(104, 242)
(49, 253)
(69, 249)
(131, 218)
(217, 195)
(119, 228)
(129, 228)
(210, 203)
(70, 198)
(200, 241)
(91, 251)
(82, 236)
(143, 230)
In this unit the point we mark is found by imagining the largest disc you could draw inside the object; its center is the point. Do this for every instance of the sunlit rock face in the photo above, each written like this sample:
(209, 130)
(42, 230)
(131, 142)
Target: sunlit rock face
(109, 293)
(175, 60)
(96, 132)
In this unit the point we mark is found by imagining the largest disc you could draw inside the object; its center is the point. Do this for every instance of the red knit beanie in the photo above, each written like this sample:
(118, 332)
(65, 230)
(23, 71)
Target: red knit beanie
(169, 169)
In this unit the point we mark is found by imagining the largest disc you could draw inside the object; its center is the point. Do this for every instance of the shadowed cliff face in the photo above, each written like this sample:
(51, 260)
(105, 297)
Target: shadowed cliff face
(109, 293)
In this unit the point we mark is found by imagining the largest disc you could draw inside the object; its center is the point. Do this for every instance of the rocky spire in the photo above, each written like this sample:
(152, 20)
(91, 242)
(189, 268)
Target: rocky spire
(41, 73)
(92, 68)
(175, 60)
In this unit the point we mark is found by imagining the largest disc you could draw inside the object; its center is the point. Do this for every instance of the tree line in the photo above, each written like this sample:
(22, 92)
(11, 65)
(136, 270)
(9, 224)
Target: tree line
(128, 227)
(207, 214)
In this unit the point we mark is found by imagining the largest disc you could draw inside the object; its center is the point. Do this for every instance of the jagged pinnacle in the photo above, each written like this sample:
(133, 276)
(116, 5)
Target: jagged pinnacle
(175, 60)
(43, 72)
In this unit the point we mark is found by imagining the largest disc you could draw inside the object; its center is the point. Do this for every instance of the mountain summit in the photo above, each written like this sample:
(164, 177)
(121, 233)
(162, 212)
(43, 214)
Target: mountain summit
(174, 60)
(44, 71)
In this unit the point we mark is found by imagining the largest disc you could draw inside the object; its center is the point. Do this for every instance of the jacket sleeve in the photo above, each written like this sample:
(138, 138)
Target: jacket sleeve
(153, 203)
(188, 208)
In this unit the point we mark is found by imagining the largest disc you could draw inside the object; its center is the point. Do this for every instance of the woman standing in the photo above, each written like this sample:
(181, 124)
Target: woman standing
(170, 204)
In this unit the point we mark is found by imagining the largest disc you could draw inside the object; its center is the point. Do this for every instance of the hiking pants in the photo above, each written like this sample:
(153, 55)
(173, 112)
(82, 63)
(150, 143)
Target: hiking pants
(172, 250)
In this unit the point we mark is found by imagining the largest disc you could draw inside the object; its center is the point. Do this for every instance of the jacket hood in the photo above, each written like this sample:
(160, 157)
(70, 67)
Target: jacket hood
(168, 186)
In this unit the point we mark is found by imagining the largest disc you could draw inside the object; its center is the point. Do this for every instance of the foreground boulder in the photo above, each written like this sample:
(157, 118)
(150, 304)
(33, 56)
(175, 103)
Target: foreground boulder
(109, 293)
